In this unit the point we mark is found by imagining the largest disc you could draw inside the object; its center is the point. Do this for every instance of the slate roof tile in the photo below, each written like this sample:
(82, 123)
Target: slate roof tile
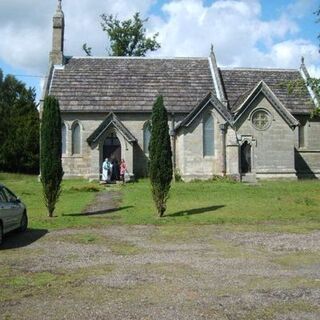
(131, 84)
(238, 84)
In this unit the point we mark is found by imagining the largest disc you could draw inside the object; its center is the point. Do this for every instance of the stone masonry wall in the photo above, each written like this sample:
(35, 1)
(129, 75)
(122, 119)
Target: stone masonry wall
(273, 148)
(307, 156)
(191, 162)
(87, 164)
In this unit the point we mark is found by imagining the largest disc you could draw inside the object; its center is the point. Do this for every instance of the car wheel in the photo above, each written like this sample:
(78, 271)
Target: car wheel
(24, 222)
(1, 233)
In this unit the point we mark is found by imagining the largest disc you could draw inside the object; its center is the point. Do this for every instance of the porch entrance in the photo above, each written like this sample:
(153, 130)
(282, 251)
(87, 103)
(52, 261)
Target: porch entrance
(246, 158)
(112, 151)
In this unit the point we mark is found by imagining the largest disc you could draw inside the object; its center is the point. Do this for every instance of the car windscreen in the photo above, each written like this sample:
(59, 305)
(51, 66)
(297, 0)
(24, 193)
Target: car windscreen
(9, 195)
(3, 197)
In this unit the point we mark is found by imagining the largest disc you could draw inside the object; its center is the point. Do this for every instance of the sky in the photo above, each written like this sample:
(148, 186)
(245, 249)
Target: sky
(245, 33)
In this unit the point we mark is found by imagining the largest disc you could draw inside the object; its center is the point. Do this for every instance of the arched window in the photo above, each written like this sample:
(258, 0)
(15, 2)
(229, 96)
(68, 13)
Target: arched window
(146, 136)
(76, 139)
(64, 138)
(208, 136)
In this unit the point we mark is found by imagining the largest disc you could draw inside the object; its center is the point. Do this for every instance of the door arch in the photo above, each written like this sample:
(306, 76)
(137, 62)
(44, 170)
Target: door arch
(111, 149)
(246, 161)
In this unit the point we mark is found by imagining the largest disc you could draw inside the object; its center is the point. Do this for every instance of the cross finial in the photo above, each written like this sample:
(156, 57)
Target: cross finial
(59, 5)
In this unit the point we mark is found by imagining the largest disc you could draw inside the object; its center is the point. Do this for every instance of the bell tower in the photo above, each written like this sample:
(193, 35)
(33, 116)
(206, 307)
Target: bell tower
(56, 55)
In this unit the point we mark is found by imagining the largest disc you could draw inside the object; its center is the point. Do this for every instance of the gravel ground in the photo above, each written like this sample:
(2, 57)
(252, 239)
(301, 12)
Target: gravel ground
(167, 272)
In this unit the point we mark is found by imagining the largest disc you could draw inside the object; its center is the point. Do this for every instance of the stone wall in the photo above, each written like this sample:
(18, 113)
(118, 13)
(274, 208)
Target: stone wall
(273, 148)
(307, 154)
(191, 162)
(88, 163)
(80, 165)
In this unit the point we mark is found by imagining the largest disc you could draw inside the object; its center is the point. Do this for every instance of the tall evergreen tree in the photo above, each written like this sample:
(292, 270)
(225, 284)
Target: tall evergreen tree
(19, 127)
(50, 154)
(160, 156)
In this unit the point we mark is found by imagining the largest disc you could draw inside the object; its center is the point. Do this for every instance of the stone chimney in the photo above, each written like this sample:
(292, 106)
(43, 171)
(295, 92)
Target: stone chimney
(56, 55)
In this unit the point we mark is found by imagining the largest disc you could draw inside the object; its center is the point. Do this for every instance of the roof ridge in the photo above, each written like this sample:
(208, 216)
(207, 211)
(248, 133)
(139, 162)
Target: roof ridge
(257, 69)
(136, 58)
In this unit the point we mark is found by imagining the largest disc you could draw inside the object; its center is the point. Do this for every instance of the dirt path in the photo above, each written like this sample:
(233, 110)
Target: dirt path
(106, 201)
(176, 272)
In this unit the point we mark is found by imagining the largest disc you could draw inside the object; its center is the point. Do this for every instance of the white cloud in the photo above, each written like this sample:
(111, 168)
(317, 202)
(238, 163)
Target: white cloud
(300, 7)
(240, 35)
(287, 54)
(234, 27)
(25, 28)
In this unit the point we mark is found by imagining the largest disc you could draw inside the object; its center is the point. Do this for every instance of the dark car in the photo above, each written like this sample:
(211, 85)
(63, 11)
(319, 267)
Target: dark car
(13, 213)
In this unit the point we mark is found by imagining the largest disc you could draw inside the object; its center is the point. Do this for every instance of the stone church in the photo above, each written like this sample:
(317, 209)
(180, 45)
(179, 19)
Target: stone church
(243, 122)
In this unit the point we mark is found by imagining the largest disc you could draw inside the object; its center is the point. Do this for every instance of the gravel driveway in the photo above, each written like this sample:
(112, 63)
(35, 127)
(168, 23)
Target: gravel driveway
(168, 272)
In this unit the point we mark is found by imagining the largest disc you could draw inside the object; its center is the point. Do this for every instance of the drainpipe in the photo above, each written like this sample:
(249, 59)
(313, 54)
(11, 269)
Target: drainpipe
(173, 143)
(223, 128)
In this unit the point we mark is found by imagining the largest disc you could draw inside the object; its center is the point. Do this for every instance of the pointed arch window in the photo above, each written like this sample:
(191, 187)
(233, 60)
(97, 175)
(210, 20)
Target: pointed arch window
(63, 138)
(208, 135)
(76, 139)
(146, 136)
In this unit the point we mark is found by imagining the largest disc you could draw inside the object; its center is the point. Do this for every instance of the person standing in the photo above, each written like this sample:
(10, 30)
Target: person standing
(123, 170)
(106, 170)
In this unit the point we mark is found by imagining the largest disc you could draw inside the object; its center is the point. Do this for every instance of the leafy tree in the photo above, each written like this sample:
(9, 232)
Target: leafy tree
(128, 37)
(160, 156)
(19, 127)
(50, 154)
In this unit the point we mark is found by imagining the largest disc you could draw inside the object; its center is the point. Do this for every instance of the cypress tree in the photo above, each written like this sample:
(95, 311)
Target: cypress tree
(50, 153)
(160, 156)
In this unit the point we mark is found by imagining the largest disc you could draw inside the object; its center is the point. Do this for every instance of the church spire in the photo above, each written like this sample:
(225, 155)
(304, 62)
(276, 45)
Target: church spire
(56, 55)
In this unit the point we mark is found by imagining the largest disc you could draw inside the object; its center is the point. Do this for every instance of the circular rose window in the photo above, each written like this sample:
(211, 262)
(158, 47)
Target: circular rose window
(261, 120)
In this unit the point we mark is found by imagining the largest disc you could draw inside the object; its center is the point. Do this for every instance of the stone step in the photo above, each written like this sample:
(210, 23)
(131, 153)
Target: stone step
(249, 178)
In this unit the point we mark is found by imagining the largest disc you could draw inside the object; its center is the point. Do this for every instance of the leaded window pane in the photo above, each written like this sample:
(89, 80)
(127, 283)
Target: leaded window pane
(64, 138)
(208, 136)
(146, 138)
(301, 136)
(261, 120)
(76, 139)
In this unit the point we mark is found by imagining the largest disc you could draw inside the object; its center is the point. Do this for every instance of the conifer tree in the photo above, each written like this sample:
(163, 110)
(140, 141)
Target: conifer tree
(160, 156)
(19, 127)
(50, 153)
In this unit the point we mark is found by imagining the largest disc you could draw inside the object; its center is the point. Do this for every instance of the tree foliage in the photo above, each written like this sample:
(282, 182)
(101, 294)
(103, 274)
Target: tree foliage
(50, 154)
(19, 127)
(160, 156)
(127, 37)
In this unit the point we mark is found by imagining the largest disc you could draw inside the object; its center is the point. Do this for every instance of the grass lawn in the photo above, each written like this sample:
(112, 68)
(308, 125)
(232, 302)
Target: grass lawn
(197, 262)
(76, 195)
(270, 204)
(291, 206)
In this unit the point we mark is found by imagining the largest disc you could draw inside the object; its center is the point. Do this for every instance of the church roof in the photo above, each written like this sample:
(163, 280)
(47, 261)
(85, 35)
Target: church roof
(263, 88)
(125, 84)
(131, 84)
(287, 85)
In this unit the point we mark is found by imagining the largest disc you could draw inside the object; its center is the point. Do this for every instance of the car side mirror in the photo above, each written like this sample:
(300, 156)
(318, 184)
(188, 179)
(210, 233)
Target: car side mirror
(18, 200)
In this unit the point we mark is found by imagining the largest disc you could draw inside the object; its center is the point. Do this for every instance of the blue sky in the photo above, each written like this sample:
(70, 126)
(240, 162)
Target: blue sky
(249, 33)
